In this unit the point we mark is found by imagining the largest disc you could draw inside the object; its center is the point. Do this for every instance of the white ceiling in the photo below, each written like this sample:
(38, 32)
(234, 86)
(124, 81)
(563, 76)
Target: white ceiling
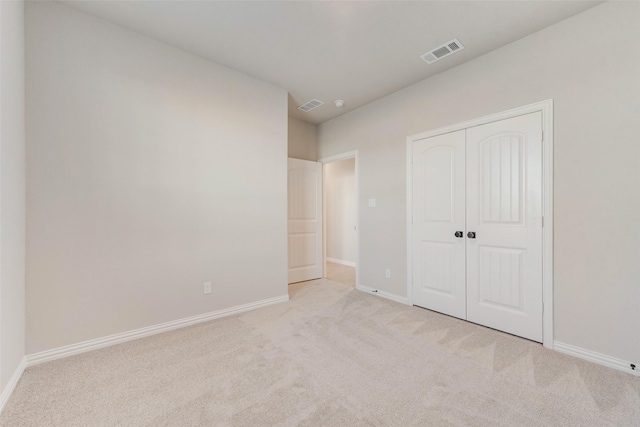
(356, 51)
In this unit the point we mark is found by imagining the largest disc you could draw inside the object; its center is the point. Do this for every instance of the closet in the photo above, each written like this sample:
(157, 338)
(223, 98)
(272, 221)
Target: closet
(476, 233)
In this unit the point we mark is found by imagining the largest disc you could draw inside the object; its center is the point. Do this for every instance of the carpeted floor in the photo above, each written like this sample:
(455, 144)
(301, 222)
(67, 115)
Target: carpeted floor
(332, 356)
(341, 274)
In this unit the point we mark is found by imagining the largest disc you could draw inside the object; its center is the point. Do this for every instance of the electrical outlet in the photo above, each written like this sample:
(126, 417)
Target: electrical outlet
(207, 287)
(387, 273)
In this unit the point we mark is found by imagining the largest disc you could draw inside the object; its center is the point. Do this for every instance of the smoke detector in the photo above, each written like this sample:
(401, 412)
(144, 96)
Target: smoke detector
(442, 51)
(308, 106)
(339, 102)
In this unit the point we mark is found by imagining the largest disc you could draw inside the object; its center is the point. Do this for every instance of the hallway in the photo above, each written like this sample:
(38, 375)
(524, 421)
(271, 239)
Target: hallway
(341, 273)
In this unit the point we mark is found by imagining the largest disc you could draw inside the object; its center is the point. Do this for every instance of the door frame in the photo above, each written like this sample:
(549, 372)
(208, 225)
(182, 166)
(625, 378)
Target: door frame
(546, 108)
(325, 161)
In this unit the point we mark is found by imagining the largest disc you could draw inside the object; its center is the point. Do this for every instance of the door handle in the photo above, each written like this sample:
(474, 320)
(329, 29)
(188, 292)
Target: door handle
(459, 234)
(471, 234)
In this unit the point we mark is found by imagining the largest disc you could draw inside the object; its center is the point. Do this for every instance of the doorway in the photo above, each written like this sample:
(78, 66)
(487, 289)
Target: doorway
(340, 218)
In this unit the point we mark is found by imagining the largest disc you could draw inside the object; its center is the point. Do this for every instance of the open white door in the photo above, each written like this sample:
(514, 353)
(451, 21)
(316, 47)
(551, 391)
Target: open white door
(504, 211)
(305, 220)
(438, 224)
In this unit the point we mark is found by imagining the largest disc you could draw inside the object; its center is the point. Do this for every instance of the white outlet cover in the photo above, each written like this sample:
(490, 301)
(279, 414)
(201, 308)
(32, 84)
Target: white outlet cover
(387, 273)
(372, 203)
(207, 287)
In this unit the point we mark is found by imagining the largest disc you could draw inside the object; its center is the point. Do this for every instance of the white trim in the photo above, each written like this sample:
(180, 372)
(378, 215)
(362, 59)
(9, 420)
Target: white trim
(599, 358)
(4, 396)
(546, 107)
(83, 347)
(341, 261)
(344, 156)
(324, 221)
(503, 115)
(11, 385)
(324, 161)
(383, 294)
(409, 198)
(547, 230)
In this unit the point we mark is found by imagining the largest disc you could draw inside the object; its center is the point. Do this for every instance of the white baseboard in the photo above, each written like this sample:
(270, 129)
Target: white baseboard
(383, 294)
(599, 358)
(11, 385)
(341, 261)
(83, 347)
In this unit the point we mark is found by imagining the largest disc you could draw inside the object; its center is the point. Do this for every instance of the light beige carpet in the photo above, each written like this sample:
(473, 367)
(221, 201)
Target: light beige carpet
(341, 274)
(332, 356)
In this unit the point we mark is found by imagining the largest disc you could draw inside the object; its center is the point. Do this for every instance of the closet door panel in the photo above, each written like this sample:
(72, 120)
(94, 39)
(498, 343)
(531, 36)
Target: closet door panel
(503, 196)
(438, 263)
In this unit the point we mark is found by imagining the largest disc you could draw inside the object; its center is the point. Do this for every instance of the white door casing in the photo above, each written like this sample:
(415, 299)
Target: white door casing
(504, 210)
(438, 213)
(502, 203)
(304, 183)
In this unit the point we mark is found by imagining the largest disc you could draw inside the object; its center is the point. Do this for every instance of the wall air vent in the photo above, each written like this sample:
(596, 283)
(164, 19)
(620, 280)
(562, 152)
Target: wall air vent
(442, 51)
(308, 106)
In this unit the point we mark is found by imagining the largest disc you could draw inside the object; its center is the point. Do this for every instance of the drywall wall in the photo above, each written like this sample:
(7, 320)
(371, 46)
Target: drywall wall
(340, 199)
(149, 172)
(303, 140)
(590, 65)
(12, 189)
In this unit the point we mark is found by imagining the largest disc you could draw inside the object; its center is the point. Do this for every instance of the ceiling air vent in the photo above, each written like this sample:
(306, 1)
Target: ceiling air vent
(442, 51)
(314, 103)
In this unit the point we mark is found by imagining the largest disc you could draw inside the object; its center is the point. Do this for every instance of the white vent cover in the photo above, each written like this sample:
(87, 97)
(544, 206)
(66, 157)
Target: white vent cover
(314, 103)
(442, 51)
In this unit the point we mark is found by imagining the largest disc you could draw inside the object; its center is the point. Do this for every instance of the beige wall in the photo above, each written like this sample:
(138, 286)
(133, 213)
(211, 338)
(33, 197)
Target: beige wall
(12, 189)
(590, 66)
(149, 172)
(303, 140)
(339, 182)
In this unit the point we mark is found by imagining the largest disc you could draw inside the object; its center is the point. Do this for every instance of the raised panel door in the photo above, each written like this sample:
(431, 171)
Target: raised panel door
(504, 210)
(304, 220)
(438, 276)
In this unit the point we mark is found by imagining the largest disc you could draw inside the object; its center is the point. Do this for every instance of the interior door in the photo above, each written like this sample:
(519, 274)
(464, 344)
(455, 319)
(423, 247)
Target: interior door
(305, 220)
(438, 224)
(504, 211)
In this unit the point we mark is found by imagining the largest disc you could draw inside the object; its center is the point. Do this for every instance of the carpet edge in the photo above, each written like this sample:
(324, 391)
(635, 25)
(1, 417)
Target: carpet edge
(595, 357)
(95, 344)
(13, 382)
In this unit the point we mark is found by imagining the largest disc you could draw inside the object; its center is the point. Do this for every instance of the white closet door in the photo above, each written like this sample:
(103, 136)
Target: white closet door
(305, 220)
(504, 197)
(438, 213)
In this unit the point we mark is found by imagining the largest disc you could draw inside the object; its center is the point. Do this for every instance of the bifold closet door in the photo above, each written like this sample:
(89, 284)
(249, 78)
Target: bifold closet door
(504, 210)
(438, 261)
